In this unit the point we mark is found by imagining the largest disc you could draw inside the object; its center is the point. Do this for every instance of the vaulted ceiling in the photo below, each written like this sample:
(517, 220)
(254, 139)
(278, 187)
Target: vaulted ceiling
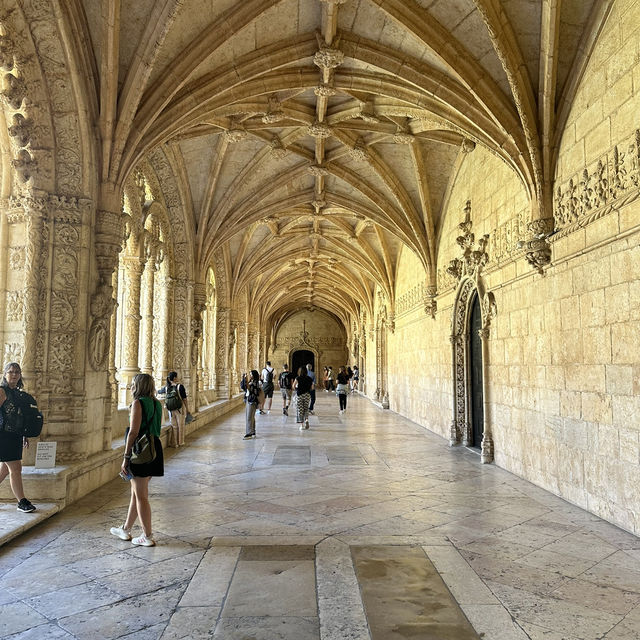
(316, 138)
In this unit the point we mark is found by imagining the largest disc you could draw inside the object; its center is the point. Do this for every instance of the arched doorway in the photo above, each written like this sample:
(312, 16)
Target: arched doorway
(475, 374)
(302, 358)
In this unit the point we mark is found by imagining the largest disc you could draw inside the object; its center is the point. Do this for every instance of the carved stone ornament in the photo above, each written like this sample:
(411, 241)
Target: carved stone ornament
(235, 135)
(473, 260)
(319, 130)
(537, 250)
(325, 91)
(24, 165)
(21, 129)
(328, 58)
(404, 137)
(274, 112)
(318, 171)
(430, 302)
(277, 149)
(6, 53)
(14, 91)
(468, 145)
(359, 151)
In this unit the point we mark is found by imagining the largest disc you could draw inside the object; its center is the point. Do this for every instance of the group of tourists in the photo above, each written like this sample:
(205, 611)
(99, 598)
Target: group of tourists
(143, 455)
(299, 387)
(330, 381)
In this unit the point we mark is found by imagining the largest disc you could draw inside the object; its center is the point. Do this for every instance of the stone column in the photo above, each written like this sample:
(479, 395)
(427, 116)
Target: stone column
(36, 250)
(454, 432)
(166, 320)
(108, 243)
(133, 268)
(199, 305)
(486, 455)
(222, 335)
(148, 279)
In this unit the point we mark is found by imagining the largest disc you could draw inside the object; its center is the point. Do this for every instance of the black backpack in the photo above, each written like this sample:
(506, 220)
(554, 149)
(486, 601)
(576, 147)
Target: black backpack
(285, 380)
(269, 378)
(20, 414)
(172, 399)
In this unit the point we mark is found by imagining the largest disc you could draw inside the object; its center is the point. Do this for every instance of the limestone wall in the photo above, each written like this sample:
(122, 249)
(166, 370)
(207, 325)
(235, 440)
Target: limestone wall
(564, 403)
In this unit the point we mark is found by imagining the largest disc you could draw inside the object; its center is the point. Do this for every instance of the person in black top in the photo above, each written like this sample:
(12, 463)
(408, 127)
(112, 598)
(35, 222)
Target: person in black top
(255, 396)
(342, 388)
(11, 444)
(285, 380)
(302, 385)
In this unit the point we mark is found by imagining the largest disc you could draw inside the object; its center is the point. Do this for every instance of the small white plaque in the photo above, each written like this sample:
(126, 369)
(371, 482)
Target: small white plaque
(46, 455)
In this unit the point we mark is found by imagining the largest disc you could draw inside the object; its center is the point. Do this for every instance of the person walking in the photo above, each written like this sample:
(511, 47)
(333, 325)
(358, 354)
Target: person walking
(330, 381)
(302, 386)
(12, 444)
(145, 414)
(285, 380)
(355, 379)
(312, 392)
(325, 377)
(178, 408)
(342, 388)
(267, 387)
(255, 396)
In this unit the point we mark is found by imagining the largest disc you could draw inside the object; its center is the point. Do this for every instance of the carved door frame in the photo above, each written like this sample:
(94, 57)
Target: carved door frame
(466, 292)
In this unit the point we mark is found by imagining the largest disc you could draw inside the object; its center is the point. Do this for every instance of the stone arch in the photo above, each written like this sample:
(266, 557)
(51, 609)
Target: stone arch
(469, 287)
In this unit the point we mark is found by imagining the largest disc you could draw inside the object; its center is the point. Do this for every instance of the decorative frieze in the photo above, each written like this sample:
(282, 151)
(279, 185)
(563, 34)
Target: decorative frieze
(611, 181)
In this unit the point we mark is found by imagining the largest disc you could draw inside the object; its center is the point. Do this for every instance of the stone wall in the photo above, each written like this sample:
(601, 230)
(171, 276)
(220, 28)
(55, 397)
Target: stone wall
(563, 369)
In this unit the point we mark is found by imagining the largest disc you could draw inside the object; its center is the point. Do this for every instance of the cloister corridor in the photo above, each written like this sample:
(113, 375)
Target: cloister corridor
(260, 540)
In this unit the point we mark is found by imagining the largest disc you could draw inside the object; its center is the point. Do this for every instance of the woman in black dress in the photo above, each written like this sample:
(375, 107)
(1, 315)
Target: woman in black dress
(11, 444)
(144, 405)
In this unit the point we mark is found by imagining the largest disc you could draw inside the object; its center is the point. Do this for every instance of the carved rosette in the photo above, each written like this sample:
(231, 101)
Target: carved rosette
(318, 171)
(319, 130)
(328, 58)
(325, 91)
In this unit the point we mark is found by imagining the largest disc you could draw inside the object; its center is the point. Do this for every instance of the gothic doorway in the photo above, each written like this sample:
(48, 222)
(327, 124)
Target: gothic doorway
(302, 358)
(475, 375)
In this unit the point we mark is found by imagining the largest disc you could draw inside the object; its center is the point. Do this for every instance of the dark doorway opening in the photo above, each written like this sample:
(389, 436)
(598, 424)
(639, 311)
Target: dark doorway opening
(475, 377)
(302, 358)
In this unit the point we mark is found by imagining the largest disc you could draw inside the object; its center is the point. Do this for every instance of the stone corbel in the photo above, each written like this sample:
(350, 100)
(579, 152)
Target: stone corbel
(430, 302)
(537, 249)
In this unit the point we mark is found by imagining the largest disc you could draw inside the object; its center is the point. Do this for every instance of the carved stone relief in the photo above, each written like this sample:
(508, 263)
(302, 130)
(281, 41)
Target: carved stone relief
(468, 271)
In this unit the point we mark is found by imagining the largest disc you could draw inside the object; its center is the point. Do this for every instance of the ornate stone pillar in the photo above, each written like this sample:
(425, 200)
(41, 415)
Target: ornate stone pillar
(458, 387)
(166, 322)
(36, 252)
(222, 334)
(486, 455)
(133, 268)
(147, 302)
(199, 305)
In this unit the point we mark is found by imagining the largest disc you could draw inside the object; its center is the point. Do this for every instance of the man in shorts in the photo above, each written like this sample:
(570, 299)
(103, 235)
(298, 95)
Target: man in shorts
(285, 379)
(267, 386)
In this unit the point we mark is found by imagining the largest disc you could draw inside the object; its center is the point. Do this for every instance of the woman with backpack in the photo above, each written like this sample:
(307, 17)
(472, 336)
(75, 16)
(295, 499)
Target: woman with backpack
(175, 400)
(12, 444)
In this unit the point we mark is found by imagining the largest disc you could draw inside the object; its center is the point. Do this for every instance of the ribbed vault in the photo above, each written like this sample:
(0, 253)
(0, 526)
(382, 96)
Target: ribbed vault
(314, 139)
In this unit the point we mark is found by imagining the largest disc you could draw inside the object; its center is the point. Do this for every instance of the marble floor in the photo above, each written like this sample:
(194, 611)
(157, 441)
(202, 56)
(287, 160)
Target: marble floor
(366, 526)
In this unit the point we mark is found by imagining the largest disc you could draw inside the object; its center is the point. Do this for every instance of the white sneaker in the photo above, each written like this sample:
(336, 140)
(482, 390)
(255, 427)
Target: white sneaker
(144, 541)
(121, 532)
